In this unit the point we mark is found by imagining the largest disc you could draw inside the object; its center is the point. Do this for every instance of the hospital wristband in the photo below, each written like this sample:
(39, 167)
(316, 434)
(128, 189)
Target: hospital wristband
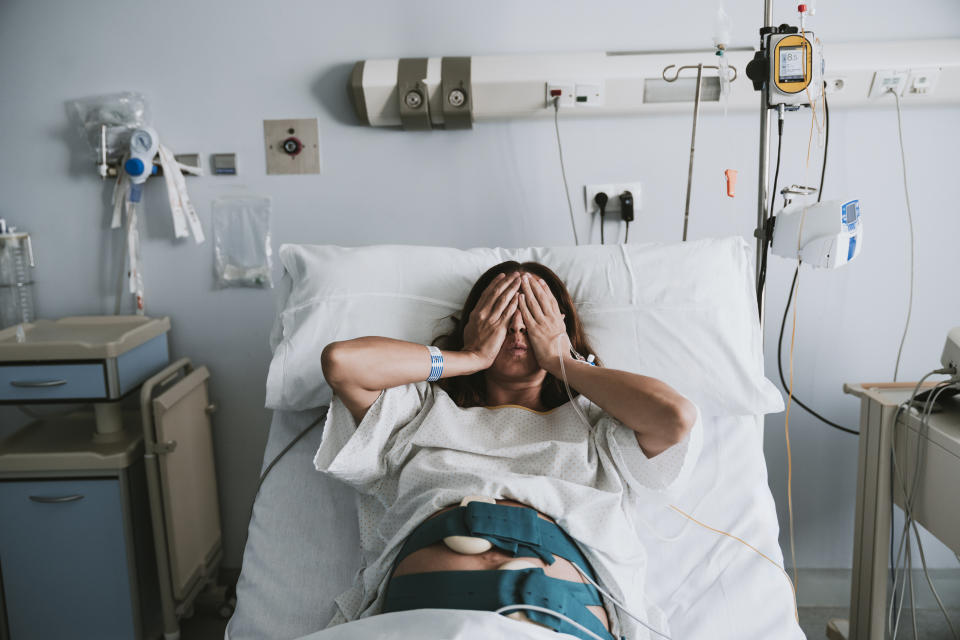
(436, 364)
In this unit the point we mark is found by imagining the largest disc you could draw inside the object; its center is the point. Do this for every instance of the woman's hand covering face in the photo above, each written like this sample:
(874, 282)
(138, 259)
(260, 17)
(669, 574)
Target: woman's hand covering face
(543, 320)
(487, 326)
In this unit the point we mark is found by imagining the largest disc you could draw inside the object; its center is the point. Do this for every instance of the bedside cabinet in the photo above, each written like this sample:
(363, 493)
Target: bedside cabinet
(75, 546)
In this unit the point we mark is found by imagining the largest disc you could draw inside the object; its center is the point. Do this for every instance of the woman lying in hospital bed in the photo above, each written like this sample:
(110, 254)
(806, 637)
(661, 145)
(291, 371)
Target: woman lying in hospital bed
(491, 489)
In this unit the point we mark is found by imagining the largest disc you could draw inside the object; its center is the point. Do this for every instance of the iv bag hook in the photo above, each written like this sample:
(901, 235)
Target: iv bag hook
(698, 67)
(696, 116)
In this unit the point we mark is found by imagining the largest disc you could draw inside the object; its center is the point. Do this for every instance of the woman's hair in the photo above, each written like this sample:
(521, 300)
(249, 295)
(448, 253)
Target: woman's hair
(471, 391)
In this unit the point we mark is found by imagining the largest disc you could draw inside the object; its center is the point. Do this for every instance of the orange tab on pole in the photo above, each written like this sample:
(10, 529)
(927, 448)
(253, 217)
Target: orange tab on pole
(731, 175)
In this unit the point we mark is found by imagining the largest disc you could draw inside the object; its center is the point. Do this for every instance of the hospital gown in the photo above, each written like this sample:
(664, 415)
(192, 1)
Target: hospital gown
(416, 451)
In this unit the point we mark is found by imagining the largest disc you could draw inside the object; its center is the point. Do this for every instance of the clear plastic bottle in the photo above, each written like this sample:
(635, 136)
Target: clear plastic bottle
(16, 277)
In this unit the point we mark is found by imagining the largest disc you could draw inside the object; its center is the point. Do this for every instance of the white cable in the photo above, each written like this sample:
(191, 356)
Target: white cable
(563, 169)
(926, 573)
(563, 373)
(619, 604)
(906, 193)
(913, 604)
(909, 521)
(928, 409)
(533, 607)
(894, 621)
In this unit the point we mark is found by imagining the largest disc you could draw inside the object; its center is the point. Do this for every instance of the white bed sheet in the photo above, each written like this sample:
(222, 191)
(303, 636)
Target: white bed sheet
(301, 549)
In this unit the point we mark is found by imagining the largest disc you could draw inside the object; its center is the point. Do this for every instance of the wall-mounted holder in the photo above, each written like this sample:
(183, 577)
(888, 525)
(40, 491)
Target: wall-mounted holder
(292, 146)
(187, 161)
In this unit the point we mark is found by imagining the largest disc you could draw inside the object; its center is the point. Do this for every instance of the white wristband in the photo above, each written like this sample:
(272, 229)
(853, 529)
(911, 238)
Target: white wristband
(436, 364)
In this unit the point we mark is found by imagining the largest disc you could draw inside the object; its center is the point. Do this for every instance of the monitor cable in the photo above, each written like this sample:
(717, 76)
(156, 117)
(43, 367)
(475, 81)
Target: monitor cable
(906, 193)
(563, 169)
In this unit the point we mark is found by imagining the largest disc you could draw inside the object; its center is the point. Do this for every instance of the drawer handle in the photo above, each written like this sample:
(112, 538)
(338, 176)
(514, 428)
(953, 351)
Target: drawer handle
(38, 383)
(58, 499)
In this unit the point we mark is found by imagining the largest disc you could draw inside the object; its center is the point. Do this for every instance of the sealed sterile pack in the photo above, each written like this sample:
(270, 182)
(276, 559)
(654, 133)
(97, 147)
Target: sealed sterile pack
(243, 256)
(120, 113)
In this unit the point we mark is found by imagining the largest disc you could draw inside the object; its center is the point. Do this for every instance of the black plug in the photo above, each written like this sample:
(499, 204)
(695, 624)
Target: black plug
(601, 200)
(626, 206)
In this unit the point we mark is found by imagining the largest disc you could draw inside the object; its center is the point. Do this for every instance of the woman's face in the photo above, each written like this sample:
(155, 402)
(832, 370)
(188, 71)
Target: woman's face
(516, 359)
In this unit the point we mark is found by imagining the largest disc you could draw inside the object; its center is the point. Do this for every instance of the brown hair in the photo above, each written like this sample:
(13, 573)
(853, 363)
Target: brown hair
(471, 391)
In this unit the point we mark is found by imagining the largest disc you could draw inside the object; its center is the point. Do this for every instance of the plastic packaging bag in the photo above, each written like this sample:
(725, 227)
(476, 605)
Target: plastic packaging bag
(241, 241)
(120, 112)
(722, 26)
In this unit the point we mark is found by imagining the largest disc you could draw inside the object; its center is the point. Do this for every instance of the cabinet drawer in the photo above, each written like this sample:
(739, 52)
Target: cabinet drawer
(64, 559)
(32, 382)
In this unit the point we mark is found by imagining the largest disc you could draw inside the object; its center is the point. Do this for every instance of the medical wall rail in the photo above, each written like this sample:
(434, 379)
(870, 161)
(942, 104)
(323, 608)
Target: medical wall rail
(422, 94)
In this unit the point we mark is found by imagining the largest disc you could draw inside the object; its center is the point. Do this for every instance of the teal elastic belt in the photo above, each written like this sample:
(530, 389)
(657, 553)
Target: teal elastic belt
(492, 590)
(518, 531)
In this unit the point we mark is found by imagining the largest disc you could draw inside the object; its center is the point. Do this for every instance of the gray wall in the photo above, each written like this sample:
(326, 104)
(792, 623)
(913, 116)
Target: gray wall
(214, 70)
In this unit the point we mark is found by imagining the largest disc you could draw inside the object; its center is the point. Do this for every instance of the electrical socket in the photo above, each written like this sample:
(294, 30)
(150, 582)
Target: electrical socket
(922, 81)
(562, 90)
(613, 192)
(888, 80)
(835, 84)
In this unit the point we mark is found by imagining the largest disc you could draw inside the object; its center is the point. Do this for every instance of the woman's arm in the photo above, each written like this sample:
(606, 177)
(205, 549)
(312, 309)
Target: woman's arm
(358, 370)
(659, 415)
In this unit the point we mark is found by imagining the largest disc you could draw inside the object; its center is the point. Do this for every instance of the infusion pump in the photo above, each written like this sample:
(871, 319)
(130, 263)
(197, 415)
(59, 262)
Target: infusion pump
(825, 235)
(789, 67)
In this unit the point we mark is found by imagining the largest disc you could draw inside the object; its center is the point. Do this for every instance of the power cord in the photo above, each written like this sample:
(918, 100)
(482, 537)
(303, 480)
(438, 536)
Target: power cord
(563, 169)
(263, 476)
(783, 324)
(906, 193)
(762, 279)
(601, 201)
(626, 212)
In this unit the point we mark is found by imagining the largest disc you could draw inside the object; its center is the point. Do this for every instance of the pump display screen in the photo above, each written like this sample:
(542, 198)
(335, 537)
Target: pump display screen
(850, 212)
(791, 64)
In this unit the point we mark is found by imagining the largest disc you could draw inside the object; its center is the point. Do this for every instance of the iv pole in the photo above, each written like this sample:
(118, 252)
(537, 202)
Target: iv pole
(764, 178)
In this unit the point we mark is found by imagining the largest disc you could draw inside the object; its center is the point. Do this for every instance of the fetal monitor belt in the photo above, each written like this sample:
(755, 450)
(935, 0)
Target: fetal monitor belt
(518, 531)
(492, 590)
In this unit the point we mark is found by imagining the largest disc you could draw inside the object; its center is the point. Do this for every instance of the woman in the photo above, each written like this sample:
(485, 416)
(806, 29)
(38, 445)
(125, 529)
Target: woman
(500, 424)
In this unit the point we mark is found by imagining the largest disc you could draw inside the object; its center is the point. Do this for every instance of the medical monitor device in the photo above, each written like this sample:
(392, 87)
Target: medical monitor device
(825, 235)
(788, 68)
(796, 69)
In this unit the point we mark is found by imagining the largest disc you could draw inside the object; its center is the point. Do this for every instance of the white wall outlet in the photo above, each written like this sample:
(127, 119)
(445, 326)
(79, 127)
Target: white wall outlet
(562, 90)
(589, 94)
(888, 80)
(922, 81)
(613, 192)
(835, 84)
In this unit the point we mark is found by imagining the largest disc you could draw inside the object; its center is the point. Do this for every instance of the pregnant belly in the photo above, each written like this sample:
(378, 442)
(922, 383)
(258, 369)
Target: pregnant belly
(439, 557)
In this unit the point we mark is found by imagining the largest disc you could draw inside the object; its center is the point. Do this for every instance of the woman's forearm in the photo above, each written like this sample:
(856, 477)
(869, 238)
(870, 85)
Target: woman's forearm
(374, 363)
(658, 414)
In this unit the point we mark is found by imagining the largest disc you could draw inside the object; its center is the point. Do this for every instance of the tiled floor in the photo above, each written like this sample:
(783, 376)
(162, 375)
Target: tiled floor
(931, 625)
(206, 625)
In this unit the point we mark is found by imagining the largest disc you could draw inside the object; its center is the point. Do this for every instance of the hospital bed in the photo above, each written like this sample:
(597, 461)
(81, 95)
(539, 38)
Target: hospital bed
(683, 313)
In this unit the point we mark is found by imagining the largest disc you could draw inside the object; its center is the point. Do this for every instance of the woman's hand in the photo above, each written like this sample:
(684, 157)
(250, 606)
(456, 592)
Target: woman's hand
(487, 326)
(543, 321)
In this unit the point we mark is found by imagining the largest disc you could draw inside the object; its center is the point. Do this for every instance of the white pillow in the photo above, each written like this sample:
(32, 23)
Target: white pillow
(683, 313)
